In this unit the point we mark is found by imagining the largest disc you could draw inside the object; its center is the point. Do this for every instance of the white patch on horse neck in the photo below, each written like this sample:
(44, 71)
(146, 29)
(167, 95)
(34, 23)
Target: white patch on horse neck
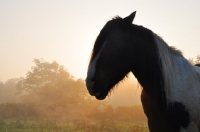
(181, 80)
(92, 67)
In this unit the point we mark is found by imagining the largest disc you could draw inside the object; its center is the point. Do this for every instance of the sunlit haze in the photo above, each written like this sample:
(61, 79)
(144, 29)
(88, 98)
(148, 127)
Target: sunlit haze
(65, 30)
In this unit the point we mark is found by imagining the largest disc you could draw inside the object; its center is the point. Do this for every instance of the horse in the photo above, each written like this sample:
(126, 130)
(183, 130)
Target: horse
(170, 83)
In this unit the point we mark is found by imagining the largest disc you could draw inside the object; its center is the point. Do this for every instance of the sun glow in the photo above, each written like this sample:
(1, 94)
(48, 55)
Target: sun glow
(65, 31)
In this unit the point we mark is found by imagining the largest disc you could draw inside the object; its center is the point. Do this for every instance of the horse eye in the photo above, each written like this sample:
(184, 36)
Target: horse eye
(93, 79)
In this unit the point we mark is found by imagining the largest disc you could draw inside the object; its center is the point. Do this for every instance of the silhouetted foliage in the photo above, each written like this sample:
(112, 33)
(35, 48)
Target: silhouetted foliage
(50, 83)
(197, 61)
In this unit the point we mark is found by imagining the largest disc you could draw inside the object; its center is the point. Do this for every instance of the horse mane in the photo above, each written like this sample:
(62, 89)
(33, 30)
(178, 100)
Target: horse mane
(175, 51)
(171, 71)
(166, 55)
(117, 18)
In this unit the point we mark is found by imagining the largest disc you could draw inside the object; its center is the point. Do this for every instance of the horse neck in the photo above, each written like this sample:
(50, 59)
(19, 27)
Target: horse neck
(161, 67)
(151, 81)
(148, 69)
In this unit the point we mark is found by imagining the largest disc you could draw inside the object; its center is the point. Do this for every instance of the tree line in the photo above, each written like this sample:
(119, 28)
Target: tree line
(49, 91)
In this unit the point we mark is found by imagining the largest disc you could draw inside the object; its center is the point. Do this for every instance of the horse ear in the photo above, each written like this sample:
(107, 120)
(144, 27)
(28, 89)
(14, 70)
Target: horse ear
(129, 19)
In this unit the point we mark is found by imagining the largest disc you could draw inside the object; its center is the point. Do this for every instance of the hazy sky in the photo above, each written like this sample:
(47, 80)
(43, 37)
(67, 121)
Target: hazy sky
(65, 30)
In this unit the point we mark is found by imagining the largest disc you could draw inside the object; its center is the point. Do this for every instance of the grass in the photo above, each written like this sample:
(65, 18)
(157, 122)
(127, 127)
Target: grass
(72, 126)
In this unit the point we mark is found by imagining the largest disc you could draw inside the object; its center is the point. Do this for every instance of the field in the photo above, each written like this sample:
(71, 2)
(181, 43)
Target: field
(72, 126)
(50, 118)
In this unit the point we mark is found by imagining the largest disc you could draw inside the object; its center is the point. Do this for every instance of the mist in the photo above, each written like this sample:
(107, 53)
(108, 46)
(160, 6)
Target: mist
(50, 94)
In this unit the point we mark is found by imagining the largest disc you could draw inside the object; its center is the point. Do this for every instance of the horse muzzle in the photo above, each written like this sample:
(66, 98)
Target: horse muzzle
(90, 86)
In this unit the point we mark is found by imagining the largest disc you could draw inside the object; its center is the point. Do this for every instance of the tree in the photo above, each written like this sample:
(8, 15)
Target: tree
(8, 90)
(55, 93)
(191, 60)
(50, 83)
(197, 61)
(44, 73)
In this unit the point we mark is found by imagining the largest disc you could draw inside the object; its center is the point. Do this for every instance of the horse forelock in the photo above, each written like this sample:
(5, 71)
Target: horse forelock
(117, 18)
(101, 38)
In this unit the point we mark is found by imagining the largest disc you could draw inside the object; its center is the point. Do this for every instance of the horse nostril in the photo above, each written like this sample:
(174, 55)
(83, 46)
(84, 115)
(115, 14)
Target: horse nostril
(90, 84)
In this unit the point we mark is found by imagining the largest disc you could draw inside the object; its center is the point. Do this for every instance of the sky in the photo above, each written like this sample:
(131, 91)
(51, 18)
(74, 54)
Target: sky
(65, 30)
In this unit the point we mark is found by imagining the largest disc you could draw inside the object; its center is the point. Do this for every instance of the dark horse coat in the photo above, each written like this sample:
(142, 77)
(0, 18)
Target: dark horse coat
(171, 85)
